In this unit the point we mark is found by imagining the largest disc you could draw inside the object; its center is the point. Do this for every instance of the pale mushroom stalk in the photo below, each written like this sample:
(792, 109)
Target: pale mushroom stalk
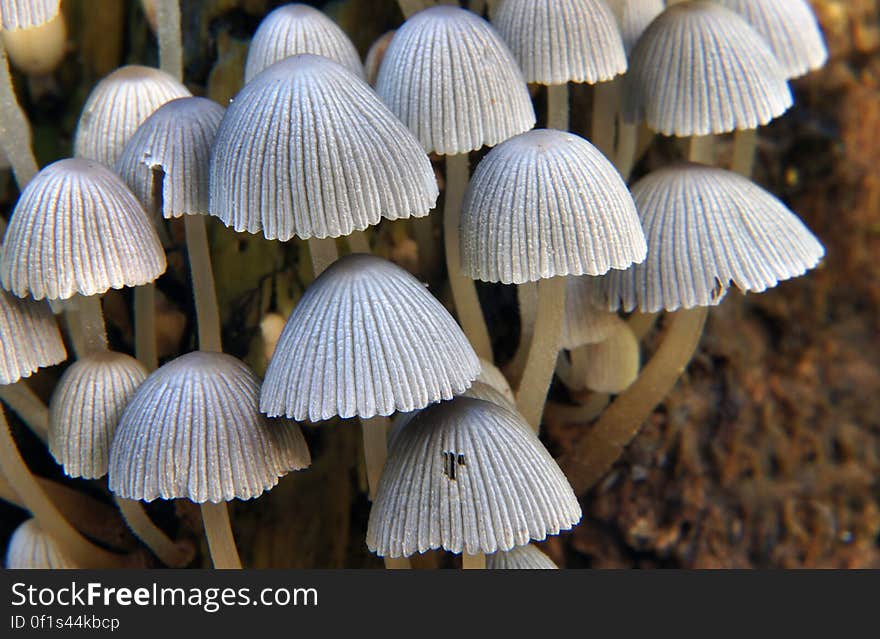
(581, 413)
(145, 346)
(464, 291)
(642, 323)
(85, 319)
(557, 106)
(14, 128)
(606, 102)
(626, 150)
(323, 253)
(221, 541)
(700, 149)
(167, 550)
(204, 291)
(358, 242)
(473, 562)
(527, 296)
(745, 142)
(375, 433)
(29, 408)
(170, 48)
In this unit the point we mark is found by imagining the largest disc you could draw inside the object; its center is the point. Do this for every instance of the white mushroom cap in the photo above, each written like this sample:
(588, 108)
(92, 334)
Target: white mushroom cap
(193, 431)
(78, 229)
(560, 41)
(451, 79)
(85, 410)
(708, 228)
(612, 364)
(32, 549)
(117, 106)
(700, 69)
(633, 17)
(297, 28)
(547, 203)
(27, 14)
(30, 338)
(307, 149)
(366, 339)
(176, 141)
(468, 476)
(583, 322)
(527, 557)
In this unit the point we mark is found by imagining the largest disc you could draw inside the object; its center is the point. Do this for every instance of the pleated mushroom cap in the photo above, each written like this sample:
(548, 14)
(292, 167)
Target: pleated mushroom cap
(193, 431)
(468, 476)
(700, 69)
(584, 323)
(30, 338)
(307, 149)
(790, 28)
(561, 41)
(490, 375)
(117, 106)
(174, 142)
(451, 79)
(297, 28)
(543, 204)
(27, 14)
(366, 339)
(633, 17)
(86, 407)
(527, 557)
(77, 228)
(32, 549)
(708, 228)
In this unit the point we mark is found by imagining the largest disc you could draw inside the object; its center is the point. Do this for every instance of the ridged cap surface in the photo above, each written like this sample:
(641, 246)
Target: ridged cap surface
(366, 339)
(117, 106)
(583, 322)
(30, 338)
(468, 476)
(193, 431)
(297, 28)
(307, 149)
(708, 228)
(176, 142)
(633, 17)
(560, 41)
(492, 376)
(27, 14)
(451, 79)
(700, 69)
(543, 204)
(32, 549)
(527, 557)
(85, 410)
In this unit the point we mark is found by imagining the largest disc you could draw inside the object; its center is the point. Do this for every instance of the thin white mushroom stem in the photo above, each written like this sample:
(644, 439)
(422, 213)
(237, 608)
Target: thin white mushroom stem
(14, 128)
(464, 291)
(169, 552)
(538, 373)
(322, 252)
(375, 433)
(473, 562)
(557, 106)
(606, 103)
(358, 242)
(29, 408)
(596, 452)
(218, 530)
(85, 319)
(170, 42)
(527, 296)
(145, 347)
(204, 292)
(701, 149)
(745, 142)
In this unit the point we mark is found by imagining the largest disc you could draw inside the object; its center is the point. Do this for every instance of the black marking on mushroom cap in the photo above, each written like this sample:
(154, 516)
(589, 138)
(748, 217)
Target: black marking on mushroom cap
(547, 203)
(193, 431)
(15, 14)
(526, 557)
(584, 322)
(560, 41)
(307, 149)
(513, 491)
(77, 228)
(30, 338)
(30, 548)
(366, 339)
(451, 79)
(633, 17)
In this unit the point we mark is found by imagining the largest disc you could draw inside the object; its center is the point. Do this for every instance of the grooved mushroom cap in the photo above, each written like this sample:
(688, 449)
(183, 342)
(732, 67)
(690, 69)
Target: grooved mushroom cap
(78, 229)
(708, 228)
(85, 410)
(527, 557)
(366, 339)
(117, 106)
(297, 28)
(451, 79)
(32, 549)
(790, 28)
(468, 476)
(560, 41)
(193, 431)
(543, 204)
(633, 17)
(700, 69)
(27, 14)
(307, 149)
(30, 338)
(583, 323)
(175, 142)
(490, 375)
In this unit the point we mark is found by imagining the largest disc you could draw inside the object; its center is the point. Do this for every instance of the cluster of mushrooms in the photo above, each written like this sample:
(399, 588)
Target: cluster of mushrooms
(318, 147)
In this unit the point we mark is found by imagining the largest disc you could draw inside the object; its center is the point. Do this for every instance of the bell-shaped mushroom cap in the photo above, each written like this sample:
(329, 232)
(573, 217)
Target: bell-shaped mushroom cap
(708, 228)
(78, 229)
(30, 338)
(176, 142)
(700, 69)
(366, 339)
(85, 410)
(612, 364)
(633, 17)
(791, 30)
(297, 28)
(527, 557)
(468, 476)
(547, 203)
(307, 149)
(584, 323)
(490, 375)
(193, 431)
(27, 14)
(560, 41)
(117, 106)
(32, 549)
(451, 79)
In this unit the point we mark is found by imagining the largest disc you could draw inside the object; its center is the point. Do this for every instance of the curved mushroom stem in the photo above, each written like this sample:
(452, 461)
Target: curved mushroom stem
(170, 42)
(358, 242)
(323, 253)
(473, 562)
(527, 296)
(606, 102)
(642, 323)
(204, 292)
(744, 144)
(14, 128)
(145, 347)
(29, 408)
(218, 530)
(580, 413)
(557, 106)
(375, 433)
(538, 373)
(464, 291)
(595, 453)
(169, 552)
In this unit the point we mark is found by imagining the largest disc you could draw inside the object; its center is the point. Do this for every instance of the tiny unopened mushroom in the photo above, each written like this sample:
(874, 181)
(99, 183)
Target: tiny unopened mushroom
(38, 50)
(31, 548)
(27, 14)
